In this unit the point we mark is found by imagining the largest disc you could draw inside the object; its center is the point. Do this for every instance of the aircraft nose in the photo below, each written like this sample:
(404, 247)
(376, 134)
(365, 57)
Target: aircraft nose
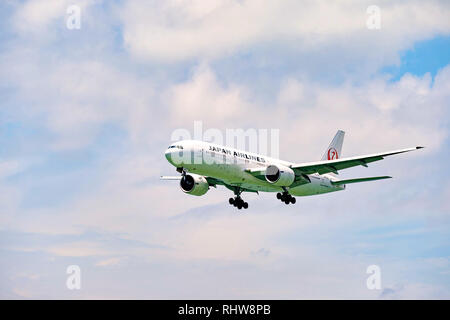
(168, 156)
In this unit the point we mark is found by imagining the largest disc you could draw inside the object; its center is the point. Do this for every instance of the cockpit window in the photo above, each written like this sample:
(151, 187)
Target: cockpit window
(178, 147)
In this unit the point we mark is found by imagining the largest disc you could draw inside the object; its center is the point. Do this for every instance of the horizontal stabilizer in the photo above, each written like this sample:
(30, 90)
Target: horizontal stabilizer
(339, 182)
(170, 177)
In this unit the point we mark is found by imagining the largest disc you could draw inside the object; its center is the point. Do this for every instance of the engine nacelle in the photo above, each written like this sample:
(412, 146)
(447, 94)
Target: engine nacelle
(194, 184)
(280, 175)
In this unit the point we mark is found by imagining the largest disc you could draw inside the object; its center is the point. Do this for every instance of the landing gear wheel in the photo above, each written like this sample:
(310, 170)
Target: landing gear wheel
(237, 201)
(285, 197)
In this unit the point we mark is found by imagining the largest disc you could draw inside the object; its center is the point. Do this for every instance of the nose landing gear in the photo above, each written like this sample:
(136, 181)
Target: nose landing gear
(286, 197)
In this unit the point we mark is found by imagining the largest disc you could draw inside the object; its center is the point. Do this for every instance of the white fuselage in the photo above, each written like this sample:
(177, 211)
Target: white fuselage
(229, 165)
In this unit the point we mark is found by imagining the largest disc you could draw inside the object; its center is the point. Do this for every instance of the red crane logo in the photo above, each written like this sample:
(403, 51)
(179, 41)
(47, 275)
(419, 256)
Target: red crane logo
(332, 154)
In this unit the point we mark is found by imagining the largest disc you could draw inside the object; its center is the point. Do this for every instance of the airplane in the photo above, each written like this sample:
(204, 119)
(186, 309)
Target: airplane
(203, 165)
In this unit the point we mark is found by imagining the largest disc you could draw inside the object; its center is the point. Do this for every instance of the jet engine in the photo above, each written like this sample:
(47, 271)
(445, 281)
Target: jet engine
(280, 175)
(194, 184)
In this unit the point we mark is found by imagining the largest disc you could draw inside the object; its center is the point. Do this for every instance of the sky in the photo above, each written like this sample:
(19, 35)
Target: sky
(86, 115)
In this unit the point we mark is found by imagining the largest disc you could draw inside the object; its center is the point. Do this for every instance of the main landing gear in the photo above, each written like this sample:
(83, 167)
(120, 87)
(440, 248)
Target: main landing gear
(285, 197)
(237, 201)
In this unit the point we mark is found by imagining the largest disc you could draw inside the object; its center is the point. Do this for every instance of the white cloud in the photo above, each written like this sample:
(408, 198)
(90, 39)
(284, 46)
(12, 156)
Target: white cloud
(78, 96)
(115, 261)
(414, 291)
(203, 98)
(178, 30)
(8, 168)
(74, 96)
(34, 16)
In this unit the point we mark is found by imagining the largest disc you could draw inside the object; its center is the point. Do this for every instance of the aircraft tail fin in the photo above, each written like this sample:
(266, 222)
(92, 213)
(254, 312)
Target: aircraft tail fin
(334, 150)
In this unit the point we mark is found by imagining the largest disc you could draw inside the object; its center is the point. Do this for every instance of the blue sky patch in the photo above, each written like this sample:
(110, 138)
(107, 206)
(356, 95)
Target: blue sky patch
(426, 56)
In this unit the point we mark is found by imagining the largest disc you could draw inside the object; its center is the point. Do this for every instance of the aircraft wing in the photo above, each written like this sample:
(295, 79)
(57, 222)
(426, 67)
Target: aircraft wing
(334, 166)
(258, 172)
